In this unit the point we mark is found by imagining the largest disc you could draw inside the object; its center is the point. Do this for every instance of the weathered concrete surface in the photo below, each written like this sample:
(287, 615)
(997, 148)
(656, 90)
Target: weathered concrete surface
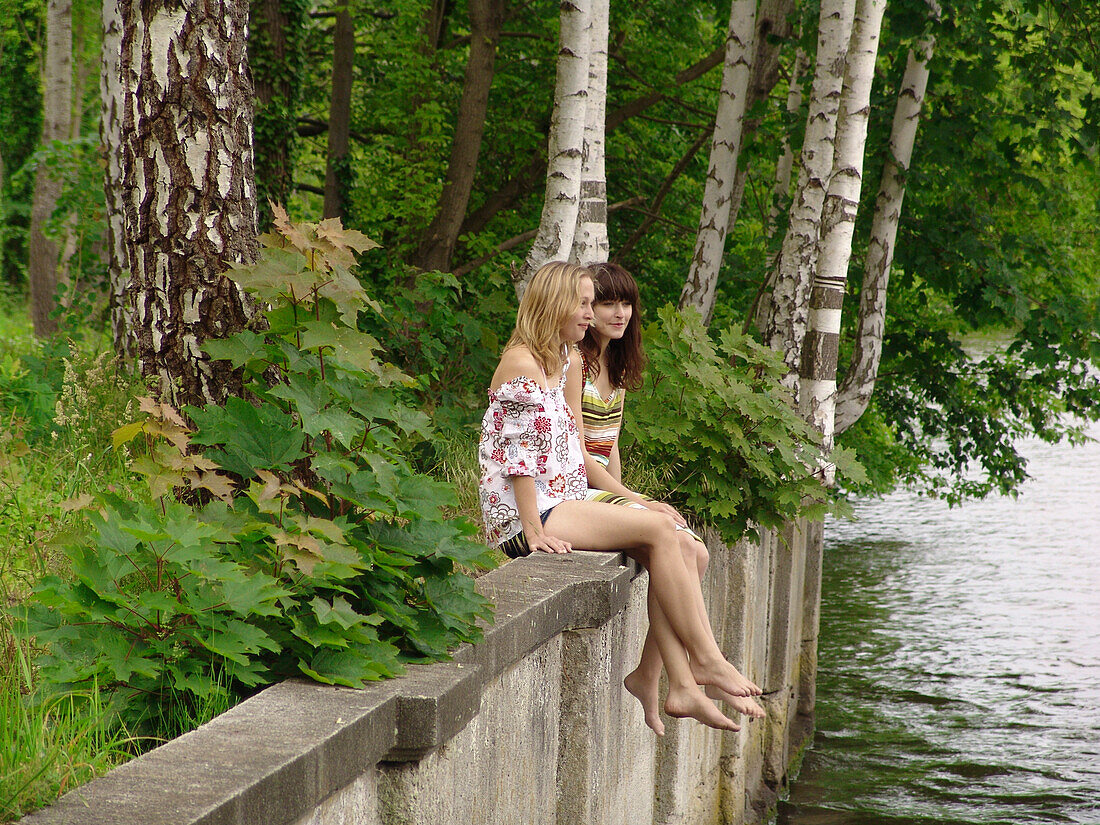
(606, 758)
(530, 726)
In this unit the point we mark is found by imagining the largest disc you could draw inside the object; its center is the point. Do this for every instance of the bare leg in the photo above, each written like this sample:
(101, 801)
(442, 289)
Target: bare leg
(643, 682)
(684, 697)
(651, 539)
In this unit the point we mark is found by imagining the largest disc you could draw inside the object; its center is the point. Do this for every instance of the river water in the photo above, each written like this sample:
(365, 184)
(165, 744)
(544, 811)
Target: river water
(959, 658)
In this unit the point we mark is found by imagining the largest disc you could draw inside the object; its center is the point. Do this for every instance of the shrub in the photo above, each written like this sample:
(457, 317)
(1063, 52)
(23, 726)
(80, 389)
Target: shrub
(299, 541)
(717, 423)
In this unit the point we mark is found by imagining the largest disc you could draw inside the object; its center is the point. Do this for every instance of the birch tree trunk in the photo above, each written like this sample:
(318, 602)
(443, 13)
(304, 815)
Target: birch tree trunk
(188, 185)
(110, 136)
(339, 114)
(781, 192)
(788, 308)
(859, 382)
(591, 243)
(710, 240)
(438, 243)
(819, 355)
(43, 272)
(558, 224)
(760, 310)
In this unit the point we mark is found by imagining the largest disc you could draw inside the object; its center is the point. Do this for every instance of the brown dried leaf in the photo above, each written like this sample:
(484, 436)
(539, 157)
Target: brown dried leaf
(81, 502)
(298, 239)
(218, 484)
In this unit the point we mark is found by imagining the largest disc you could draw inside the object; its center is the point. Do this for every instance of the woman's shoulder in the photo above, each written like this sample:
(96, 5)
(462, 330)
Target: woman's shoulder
(518, 374)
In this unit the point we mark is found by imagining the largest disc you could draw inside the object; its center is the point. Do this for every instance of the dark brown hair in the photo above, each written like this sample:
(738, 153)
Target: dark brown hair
(625, 358)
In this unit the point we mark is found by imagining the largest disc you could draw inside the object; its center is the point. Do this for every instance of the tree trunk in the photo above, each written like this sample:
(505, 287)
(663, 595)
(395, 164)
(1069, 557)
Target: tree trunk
(558, 224)
(859, 383)
(43, 273)
(773, 28)
(188, 187)
(339, 115)
(819, 356)
(786, 323)
(761, 306)
(710, 241)
(275, 39)
(438, 243)
(591, 243)
(781, 192)
(110, 135)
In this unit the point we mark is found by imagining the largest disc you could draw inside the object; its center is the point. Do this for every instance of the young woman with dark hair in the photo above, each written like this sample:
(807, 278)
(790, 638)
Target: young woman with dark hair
(613, 361)
(533, 485)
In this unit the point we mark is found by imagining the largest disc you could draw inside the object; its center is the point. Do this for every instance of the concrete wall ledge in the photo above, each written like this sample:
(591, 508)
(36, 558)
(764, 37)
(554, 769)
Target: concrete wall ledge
(280, 754)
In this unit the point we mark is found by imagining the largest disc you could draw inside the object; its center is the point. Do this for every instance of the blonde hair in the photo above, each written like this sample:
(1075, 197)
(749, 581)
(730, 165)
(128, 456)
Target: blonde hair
(550, 298)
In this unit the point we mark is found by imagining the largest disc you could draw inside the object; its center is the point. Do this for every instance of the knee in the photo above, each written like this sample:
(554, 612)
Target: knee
(695, 553)
(661, 532)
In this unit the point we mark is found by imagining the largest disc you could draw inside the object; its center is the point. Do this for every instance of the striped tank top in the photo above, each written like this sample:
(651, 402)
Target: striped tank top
(602, 419)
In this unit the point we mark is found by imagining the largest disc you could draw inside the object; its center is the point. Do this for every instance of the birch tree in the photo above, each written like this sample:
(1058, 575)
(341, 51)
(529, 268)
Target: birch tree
(590, 242)
(110, 136)
(781, 191)
(44, 270)
(187, 182)
(558, 224)
(786, 321)
(710, 240)
(855, 391)
(817, 396)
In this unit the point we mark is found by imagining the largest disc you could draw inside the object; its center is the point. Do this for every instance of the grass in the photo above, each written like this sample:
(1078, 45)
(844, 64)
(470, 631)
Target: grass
(59, 402)
(49, 747)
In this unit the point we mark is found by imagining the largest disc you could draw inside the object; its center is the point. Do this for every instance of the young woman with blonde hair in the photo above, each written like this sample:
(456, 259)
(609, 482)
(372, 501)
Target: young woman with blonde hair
(533, 485)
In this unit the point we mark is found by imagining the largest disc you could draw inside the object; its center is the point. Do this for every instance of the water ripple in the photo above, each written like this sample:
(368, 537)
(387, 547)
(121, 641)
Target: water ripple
(960, 658)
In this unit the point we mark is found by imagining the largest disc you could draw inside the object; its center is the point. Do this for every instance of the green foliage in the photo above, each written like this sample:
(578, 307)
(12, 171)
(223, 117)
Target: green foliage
(20, 127)
(452, 349)
(300, 541)
(49, 747)
(715, 420)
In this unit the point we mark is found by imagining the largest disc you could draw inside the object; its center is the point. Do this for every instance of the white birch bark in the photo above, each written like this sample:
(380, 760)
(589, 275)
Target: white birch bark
(710, 241)
(43, 271)
(781, 193)
(187, 185)
(558, 224)
(590, 242)
(789, 306)
(110, 135)
(821, 346)
(855, 391)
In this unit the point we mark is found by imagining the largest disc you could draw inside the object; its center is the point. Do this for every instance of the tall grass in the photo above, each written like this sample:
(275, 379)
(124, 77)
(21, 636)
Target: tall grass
(59, 401)
(49, 747)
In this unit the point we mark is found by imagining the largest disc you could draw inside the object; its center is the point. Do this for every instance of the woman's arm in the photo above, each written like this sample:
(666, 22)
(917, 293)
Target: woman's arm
(614, 464)
(598, 475)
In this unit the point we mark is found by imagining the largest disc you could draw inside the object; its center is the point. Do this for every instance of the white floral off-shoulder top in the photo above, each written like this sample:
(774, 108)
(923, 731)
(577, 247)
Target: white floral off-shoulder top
(527, 431)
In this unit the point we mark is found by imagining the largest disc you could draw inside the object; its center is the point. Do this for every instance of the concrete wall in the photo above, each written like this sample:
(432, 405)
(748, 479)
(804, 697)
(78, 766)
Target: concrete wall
(531, 726)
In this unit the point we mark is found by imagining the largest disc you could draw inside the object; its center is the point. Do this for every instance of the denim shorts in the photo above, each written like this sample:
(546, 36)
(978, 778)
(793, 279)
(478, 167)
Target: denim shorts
(516, 547)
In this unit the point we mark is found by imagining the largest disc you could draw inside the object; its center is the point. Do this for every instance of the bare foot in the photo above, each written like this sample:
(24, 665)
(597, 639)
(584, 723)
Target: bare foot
(646, 692)
(724, 676)
(690, 701)
(741, 704)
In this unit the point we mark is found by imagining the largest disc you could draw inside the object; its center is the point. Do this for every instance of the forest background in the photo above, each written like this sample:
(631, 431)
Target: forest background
(423, 125)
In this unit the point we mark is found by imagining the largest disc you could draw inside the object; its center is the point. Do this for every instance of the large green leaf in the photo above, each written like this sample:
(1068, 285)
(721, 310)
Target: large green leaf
(250, 437)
